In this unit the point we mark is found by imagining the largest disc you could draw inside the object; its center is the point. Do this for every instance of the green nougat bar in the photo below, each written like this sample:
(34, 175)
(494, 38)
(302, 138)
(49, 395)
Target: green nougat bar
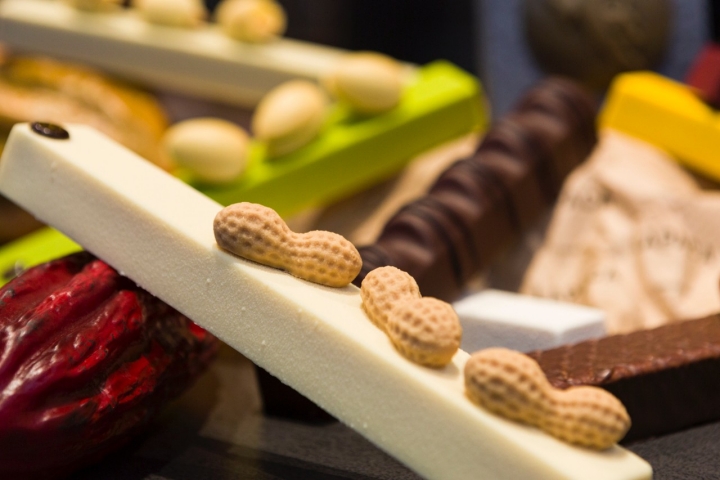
(353, 153)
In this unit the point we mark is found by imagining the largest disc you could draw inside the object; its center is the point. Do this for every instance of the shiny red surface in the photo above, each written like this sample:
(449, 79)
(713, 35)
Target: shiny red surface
(87, 358)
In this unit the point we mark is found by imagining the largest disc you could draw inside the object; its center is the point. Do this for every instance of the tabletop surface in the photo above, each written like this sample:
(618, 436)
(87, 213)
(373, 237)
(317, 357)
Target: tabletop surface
(217, 431)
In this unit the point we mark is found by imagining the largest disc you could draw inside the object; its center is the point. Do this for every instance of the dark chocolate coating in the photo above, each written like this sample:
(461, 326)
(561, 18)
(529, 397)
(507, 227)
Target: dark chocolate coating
(666, 377)
(480, 205)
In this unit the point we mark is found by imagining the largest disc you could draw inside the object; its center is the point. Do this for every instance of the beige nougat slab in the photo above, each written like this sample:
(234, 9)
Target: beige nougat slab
(201, 61)
(158, 231)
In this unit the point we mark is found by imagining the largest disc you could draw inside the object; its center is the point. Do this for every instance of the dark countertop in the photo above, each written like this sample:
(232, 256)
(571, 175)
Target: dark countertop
(216, 431)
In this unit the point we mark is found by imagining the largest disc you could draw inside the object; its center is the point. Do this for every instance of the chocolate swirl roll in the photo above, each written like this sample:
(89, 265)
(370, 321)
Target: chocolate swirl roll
(481, 204)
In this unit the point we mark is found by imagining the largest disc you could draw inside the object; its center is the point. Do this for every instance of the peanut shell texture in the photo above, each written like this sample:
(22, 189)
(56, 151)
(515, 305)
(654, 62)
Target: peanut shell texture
(512, 385)
(257, 233)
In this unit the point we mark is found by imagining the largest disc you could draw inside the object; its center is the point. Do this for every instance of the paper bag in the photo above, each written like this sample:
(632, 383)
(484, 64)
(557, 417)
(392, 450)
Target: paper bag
(632, 234)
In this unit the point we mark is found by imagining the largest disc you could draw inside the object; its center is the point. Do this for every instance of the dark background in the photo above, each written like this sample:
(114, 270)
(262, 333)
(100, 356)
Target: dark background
(414, 31)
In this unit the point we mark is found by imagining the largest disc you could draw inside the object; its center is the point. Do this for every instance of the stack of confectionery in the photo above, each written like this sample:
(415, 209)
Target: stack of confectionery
(253, 134)
(481, 204)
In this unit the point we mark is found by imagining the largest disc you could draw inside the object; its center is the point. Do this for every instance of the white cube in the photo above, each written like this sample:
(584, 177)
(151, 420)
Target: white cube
(493, 318)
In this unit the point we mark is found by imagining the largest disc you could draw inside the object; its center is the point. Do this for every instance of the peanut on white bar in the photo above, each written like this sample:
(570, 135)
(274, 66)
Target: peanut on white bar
(158, 231)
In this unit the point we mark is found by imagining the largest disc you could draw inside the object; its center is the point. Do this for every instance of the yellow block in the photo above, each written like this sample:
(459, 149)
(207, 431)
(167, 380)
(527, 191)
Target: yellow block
(667, 114)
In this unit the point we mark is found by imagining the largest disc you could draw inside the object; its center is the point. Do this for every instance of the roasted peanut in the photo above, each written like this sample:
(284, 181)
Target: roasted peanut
(425, 330)
(511, 384)
(382, 289)
(257, 233)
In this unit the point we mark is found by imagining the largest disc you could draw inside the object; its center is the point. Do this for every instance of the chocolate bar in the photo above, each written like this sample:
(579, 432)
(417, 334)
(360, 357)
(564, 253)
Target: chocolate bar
(482, 204)
(666, 377)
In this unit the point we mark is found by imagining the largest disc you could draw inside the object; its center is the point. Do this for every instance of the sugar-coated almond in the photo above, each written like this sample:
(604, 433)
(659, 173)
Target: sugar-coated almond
(172, 13)
(369, 82)
(94, 5)
(253, 21)
(212, 149)
(290, 116)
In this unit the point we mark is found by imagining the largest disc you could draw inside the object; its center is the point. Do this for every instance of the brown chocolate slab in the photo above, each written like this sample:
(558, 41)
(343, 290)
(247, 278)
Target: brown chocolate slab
(668, 378)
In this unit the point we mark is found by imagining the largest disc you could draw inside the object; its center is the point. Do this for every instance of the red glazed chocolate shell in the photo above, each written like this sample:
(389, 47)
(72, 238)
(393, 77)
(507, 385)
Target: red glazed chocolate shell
(87, 358)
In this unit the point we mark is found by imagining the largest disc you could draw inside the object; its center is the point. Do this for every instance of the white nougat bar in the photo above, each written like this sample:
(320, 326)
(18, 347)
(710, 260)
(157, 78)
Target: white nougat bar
(202, 62)
(158, 231)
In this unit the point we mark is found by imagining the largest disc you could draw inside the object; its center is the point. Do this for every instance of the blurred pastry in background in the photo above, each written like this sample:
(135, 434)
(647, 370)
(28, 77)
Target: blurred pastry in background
(40, 89)
(594, 40)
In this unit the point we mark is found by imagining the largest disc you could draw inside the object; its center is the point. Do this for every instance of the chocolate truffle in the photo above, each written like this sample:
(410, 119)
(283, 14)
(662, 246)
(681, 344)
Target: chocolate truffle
(594, 40)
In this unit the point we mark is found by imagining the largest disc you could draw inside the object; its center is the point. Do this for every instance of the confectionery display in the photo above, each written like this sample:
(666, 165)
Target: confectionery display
(301, 161)
(157, 231)
(665, 376)
(495, 318)
(441, 239)
(388, 279)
